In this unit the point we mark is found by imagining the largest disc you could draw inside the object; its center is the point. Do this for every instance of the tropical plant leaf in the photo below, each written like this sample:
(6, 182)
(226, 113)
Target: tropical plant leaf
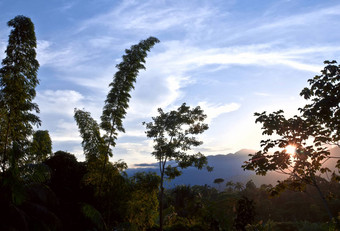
(93, 215)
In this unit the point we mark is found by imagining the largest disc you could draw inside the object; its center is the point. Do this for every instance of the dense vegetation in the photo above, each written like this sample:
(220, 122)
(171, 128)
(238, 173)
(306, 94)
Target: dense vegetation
(41, 190)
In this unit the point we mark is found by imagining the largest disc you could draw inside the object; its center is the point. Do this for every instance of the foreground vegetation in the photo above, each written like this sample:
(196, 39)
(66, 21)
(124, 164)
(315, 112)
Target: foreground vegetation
(65, 200)
(41, 190)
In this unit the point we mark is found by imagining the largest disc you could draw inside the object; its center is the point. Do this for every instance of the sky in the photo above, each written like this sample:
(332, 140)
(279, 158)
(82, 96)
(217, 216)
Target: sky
(231, 57)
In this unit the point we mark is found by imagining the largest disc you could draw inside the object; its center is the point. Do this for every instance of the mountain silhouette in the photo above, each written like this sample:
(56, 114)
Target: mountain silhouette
(227, 167)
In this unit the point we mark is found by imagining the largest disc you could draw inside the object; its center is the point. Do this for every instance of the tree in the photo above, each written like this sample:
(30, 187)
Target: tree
(32, 210)
(142, 205)
(76, 205)
(250, 190)
(311, 133)
(324, 109)
(103, 175)
(173, 134)
(111, 191)
(245, 213)
(41, 147)
(25, 200)
(239, 186)
(18, 79)
(230, 185)
(219, 181)
(250, 185)
(117, 100)
(66, 185)
(114, 111)
(95, 149)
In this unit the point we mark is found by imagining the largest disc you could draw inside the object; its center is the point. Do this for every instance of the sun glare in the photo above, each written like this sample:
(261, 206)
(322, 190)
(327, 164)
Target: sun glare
(290, 149)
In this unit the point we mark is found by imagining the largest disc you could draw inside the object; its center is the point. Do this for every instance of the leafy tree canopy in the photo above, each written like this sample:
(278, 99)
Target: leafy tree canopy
(311, 133)
(18, 79)
(218, 180)
(97, 147)
(41, 147)
(117, 100)
(174, 134)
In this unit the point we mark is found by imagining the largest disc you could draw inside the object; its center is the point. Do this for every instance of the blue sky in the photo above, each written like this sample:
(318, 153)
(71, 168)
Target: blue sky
(231, 57)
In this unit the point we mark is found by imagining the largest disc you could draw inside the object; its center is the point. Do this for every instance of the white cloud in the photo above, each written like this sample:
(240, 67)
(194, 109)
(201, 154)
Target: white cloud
(78, 152)
(67, 6)
(168, 71)
(2, 50)
(134, 152)
(103, 41)
(67, 57)
(182, 57)
(302, 19)
(65, 132)
(49, 55)
(60, 102)
(155, 92)
(95, 80)
(215, 110)
(151, 16)
(169, 66)
(279, 25)
(133, 133)
(248, 56)
(264, 94)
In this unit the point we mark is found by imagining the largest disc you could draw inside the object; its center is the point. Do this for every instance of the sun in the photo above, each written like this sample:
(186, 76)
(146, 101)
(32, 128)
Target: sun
(290, 149)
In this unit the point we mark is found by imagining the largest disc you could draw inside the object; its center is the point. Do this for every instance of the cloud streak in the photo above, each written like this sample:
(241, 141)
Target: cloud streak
(215, 110)
(189, 58)
(152, 16)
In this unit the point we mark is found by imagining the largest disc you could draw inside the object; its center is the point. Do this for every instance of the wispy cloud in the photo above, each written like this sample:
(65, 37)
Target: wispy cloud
(67, 6)
(67, 57)
(215, 110)
(103, 41)
(150, 16)
(288, 27)
(315, 16)
(264, 94)
(251, 55)
(169, 67)
(169, 71)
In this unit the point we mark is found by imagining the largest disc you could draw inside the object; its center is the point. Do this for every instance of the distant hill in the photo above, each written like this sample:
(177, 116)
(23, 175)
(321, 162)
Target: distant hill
(227, 167)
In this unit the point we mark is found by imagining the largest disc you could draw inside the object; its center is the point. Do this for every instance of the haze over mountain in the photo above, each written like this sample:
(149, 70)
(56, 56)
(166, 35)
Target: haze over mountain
(227, 167)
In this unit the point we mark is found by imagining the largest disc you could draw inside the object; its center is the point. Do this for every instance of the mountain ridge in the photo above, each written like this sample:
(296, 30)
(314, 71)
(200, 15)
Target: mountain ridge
(227, 167)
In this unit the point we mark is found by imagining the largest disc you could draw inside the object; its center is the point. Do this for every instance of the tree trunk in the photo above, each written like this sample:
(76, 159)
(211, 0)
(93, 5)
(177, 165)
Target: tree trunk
(161, 204)
(106, 158)
(102, 176)
(4, 159)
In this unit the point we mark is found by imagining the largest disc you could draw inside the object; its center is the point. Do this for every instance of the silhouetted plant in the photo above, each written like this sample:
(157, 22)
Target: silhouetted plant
(245, 213)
